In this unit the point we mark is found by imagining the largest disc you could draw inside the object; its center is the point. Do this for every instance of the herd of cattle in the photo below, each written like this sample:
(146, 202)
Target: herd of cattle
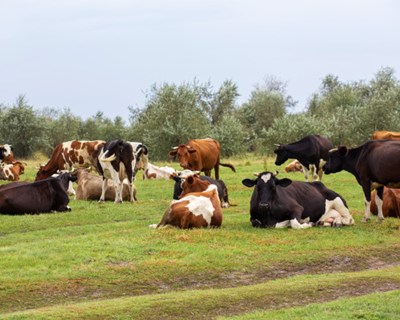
(197, 200)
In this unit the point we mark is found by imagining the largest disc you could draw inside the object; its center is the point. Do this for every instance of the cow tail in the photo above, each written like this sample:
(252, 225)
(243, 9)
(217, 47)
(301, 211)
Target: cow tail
(107, 159)
(228, 165)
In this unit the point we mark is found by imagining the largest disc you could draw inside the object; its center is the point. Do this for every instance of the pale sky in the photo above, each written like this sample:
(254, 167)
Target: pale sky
(98, 55)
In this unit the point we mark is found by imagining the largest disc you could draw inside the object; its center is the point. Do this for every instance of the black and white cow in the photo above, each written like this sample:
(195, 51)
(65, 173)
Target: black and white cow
(38, 197)
(116, 161)
(374, 164)
(282, 202)
(221, 187)
(309, 151)
(141, 153)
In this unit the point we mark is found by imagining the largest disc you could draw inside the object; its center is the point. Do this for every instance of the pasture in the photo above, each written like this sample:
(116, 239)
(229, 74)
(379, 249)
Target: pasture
(102, 261)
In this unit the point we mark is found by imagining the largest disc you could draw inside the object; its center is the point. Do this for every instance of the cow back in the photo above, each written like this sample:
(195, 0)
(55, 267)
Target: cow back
(207, 153)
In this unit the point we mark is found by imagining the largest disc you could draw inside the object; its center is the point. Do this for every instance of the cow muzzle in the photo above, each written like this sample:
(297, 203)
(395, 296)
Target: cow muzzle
(264, 206)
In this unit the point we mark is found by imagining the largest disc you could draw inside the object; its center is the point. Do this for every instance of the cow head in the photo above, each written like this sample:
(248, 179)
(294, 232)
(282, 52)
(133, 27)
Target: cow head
(335, 161)
(193, 184)
(42, 173)
(281, 154)
(264, 194)
(184, 153)
(6, 153)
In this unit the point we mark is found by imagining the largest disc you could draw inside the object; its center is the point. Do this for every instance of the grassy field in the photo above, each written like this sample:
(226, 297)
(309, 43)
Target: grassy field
(102, 261)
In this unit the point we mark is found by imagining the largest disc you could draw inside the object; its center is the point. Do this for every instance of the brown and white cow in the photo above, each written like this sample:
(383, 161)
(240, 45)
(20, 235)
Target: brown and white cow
(158, 173)
(194, 209)
(294, 166)
(6, 153)
(116, 161)
(69, 155)
(90, 187)
(386, 135)
(201, 155)
(390, 205)
(12, 171)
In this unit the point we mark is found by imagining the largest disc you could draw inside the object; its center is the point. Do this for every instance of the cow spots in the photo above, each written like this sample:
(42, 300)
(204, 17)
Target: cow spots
(266, 177)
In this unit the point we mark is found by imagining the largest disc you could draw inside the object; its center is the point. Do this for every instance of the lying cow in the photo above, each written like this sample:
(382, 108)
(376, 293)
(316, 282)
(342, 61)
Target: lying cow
(38, 197)
(294, 166)
(194, 209)
(12, 171)
(90, 187)
(221, 187)
(154, 172)
(282, 202)
(70, 190)
(390, 205)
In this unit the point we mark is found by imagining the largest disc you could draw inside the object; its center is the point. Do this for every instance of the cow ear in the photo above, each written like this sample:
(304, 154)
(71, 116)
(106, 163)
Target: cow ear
(249, 182)
(285, 182)
(173, 153)
(343, 151)
(190, 179)
(191, 150)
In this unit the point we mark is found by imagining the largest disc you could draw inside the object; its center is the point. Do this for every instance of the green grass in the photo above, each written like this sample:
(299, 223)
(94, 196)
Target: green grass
(105, 255)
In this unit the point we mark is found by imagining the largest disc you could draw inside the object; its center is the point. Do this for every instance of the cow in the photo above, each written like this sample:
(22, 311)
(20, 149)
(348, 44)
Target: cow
(42, 196)
(194, 209)
(69, 155)
(221, 187)
(6, 153)
(12, 171)
(116, 161)
(141, 153)
(201, 155)
(154, 172)
(390, 205)
(309, 151)
(70, 191)
(90, 187)
(282, 202)
(386, 135)
(374, 164)
(294, 166)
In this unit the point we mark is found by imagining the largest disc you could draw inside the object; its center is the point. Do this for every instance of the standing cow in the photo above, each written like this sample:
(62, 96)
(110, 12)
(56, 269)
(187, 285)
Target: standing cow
(309, 151)
(200, 155)
(71, 154)
(282, 202)
(374, 164)
(116, 161)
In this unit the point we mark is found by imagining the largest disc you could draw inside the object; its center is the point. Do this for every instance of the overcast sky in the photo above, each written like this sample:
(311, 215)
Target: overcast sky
(103, 55)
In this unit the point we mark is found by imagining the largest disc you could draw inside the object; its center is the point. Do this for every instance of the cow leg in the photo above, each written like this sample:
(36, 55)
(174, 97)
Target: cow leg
(305, 169)
(103, 190)
(337, 213)
(207, 173)
(366, 186)
(314, 172)
(164, 220)
(216, 171)
(283, 224)
(295, 224)
(379, 203)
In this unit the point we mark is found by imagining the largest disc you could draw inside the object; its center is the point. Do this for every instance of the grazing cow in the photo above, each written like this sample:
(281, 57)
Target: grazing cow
(386, 135)
(309, 151)
(294, 166)
(201, 155)
(374, 164)
(194, 209)
(116, 161)
(141, 153)
(38, 197)
(6, 153)
(221, 187)
(154, 172)
(69, 155)
(90, 187)
(391, 203)
(282, 202)
(12, 171)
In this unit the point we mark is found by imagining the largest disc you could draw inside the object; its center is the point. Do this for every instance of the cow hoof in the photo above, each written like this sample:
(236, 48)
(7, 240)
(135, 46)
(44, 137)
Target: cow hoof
(380, 220)
(365, 219)
(69, 209)
(100, 201)
(337, 225)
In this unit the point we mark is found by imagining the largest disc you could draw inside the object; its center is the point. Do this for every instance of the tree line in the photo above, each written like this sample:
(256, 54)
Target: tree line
(346, 112)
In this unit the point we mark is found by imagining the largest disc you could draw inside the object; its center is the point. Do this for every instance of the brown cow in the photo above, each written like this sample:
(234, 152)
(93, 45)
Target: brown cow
(201, 155)
(71, 154)
(194, 209)
(90, 187)
(12, 171)
(294, 166)
(6, 153)
(391, 203)
(386, 135)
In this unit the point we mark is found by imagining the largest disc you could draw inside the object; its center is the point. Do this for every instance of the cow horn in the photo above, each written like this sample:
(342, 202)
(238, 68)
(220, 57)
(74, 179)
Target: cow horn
(256, 174)
(189, 147)
(174, 148)
(277, 145)
(275, 173)
(332, 150)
